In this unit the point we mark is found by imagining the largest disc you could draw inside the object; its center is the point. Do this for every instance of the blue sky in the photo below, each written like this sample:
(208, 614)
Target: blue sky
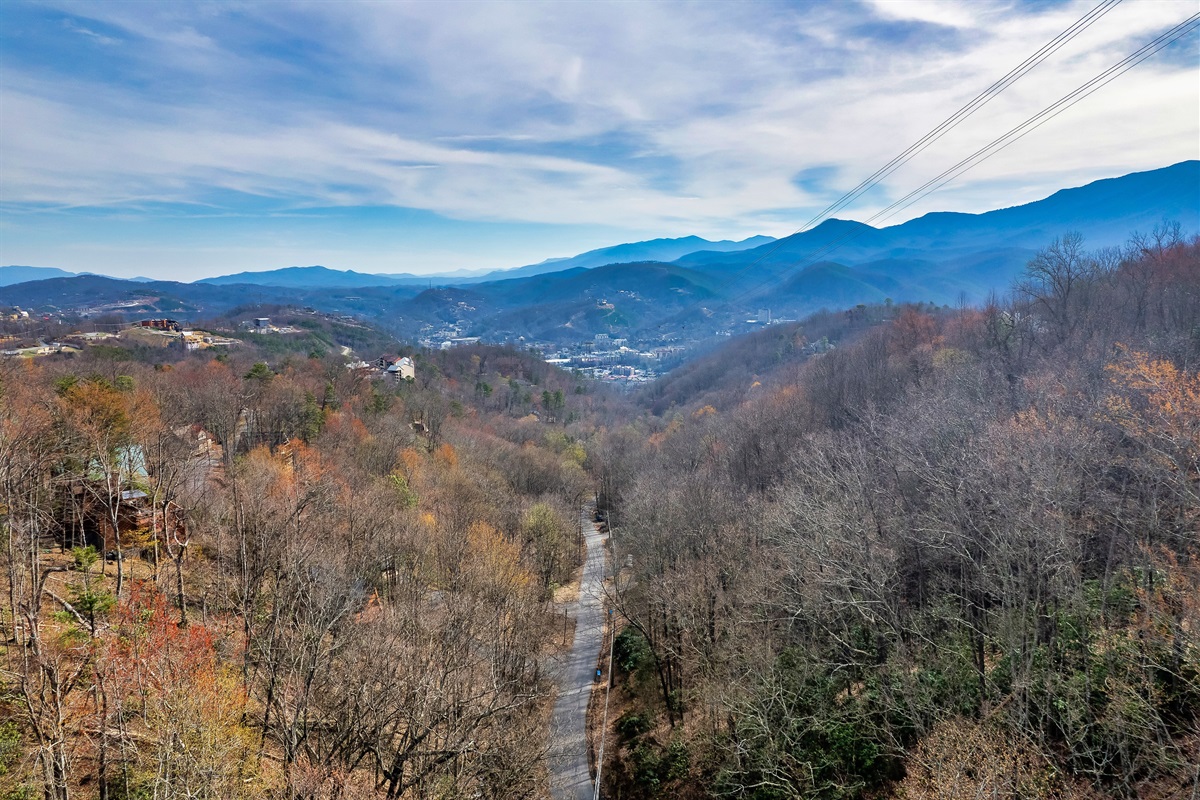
(179, 140)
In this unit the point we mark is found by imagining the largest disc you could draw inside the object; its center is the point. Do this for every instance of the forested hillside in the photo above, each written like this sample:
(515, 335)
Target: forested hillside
(953, 555)
(232, 577)
(901, 551)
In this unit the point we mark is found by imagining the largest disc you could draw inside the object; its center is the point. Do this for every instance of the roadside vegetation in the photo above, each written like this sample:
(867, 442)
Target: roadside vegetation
(890, 551)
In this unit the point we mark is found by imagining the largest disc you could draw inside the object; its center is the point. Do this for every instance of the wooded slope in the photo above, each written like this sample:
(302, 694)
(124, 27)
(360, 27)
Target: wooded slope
(957, 557)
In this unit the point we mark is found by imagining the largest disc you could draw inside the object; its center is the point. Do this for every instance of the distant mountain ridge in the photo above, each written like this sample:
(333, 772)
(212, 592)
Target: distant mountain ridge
(1105, 212)
(943, 255)
(939, 257)
(14, 274)
(653, 250)
(316, 276)
(18, 274)
(310, 277)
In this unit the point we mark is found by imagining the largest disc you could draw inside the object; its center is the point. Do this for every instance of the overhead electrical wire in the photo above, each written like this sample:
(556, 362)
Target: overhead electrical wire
(1001, 142)
(1044, 116)
(980, 100)
(948, 124)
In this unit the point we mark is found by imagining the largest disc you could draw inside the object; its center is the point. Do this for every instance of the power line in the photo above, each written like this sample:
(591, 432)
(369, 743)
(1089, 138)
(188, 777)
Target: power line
(1045, 115)
(998, 144)
(980, 100)
(946, 125)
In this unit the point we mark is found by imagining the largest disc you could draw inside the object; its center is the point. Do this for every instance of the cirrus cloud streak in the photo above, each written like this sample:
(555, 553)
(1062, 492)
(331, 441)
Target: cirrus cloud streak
(637, 119)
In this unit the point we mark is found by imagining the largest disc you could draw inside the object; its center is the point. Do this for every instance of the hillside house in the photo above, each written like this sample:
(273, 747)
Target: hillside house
(401, 367)
(161, 325)
(90, 503)
(88, 511)
(404, 369)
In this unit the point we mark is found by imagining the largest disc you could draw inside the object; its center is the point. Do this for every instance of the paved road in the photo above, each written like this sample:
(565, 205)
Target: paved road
(570, 778)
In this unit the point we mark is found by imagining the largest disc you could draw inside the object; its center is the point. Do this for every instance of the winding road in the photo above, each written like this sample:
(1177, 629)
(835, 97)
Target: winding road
(570, 776)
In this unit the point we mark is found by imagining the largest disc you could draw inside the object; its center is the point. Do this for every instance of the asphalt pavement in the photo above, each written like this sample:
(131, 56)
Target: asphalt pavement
(570, 776)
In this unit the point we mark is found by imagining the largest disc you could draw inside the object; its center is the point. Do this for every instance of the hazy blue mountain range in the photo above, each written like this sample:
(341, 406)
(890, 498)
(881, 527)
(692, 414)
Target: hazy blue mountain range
(654, 250)
(17, 274)
(319, 276)
(1105, 212)
(194, 301)
(309, 277)
(939, 257)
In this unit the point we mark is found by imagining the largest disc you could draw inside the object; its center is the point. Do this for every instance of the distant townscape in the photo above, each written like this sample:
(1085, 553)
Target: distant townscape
(636, 317)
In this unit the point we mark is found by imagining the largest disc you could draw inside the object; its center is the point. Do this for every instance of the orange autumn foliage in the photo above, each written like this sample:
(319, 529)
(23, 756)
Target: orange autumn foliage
(494, 558)
(446, 455)
(1157, 405)
(190, 703)
(410, 459)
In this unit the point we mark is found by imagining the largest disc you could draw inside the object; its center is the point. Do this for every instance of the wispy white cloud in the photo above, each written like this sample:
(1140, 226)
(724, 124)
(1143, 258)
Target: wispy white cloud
(937, 12)
(660, 118)
(74, 27)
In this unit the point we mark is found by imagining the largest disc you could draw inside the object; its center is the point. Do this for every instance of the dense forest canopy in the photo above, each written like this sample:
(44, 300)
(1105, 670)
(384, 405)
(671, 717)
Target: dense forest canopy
(235, 578)
(889, 551)
(953, 555)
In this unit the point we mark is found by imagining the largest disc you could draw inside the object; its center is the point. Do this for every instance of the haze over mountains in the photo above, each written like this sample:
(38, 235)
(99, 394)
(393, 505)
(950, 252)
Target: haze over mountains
(668, 287)
(654, 250)
(20, 274)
